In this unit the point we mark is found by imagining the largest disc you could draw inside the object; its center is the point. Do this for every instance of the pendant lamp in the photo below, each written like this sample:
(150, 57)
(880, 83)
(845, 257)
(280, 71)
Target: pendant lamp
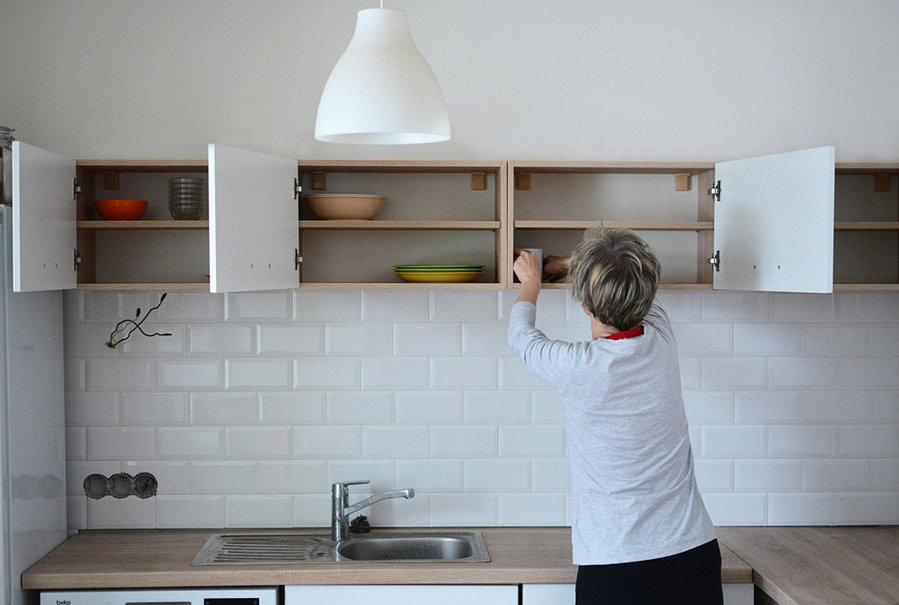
(382, 90)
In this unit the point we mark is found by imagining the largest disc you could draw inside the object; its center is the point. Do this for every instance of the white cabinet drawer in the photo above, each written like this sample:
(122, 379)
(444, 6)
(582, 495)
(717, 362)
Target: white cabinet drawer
(391, 595)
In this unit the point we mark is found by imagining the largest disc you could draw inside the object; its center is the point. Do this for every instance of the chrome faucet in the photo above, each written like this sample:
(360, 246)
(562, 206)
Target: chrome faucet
(341, 509)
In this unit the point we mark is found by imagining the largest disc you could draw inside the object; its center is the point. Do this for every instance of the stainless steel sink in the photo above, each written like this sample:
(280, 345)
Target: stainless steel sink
(410, 547)
(395, 546)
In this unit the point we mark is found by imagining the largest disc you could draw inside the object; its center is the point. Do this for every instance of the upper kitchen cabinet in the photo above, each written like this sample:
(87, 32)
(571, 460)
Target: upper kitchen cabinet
(253, 214)
(435, 213)
(759, 224)
(44, 247)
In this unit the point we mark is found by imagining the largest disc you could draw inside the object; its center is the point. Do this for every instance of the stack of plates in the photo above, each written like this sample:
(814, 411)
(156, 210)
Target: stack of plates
(438, 273)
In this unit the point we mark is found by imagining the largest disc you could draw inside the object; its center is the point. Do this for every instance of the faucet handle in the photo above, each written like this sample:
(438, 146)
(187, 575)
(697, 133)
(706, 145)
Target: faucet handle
(340, 489)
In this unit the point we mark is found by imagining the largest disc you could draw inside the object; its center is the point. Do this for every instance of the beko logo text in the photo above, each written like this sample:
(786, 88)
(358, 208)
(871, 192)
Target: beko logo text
(63, 602)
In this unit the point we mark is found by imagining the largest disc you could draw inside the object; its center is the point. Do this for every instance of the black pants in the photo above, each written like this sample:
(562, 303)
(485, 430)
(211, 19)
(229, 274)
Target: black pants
(692, 577)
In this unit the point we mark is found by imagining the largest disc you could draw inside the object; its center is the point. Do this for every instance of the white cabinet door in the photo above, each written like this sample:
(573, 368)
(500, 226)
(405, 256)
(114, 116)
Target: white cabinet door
(774, 222)
(391, 595)
(253, 221)
(563, 594)
(43, 228)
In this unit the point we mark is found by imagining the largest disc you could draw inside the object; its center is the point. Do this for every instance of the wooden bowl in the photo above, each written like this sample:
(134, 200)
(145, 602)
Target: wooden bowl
(344, 206)
(121, 210)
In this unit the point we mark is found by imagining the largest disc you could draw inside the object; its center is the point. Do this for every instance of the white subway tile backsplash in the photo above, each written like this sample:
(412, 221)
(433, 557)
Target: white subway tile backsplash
(126, 513)
(550, 475)
(767, 407)
(359, 339)
(731, 373)
(120, 443)
(327, 441)
(767, 475)
(806, 441)
(801, 372)
(482, 407)
(185, 512)
(430, 475)
(258, 305)
(463, 441)
(118, 374)
(212, 477)
(532, 509)
(352, 407)
(734, 306)
(153, 408)
(801, 509)
(878, 373)
(300, 407)
(395, 373)
(797, 308)
(792, 399)
(294, 476)
(92, 409)
(869, 440)
(497, 475)
(291, 339)
(257, 442)
(429, 407)
(463, 510)
(461, 305)
(834, 475)
(537, 441)
(395, 442)
(704, 339)
(208, 339)
(767, 339)
(425, 339)
(464, 373)
(884, 339)
(190, 442)
(257, 373)
(733, 441)
(224, 408)
(258, 511)
(866, 508)
(184, 374)
(328, 305)
(327, 373)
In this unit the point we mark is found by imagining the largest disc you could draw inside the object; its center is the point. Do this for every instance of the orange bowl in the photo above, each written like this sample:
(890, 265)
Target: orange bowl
(345, 206)
(121, 210)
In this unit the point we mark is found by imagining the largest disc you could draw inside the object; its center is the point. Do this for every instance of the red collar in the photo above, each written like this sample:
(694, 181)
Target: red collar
(638, 331)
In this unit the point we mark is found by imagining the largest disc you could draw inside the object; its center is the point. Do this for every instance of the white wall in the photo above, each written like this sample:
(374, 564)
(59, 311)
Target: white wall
(793, 400)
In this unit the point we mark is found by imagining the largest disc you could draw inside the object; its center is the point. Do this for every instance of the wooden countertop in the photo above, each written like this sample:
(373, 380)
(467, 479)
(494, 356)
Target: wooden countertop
(814, 565)
(161, 558)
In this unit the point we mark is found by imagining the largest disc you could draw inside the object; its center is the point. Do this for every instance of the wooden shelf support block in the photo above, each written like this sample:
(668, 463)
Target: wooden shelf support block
(882, 183)
(682, 181)
(478, 181)
(523, 181)
(319, 181)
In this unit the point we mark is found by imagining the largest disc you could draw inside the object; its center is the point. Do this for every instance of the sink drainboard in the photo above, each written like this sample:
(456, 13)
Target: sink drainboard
(248, 549)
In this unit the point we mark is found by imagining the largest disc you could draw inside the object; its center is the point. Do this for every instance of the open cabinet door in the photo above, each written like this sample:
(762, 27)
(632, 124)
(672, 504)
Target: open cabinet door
(774, 222)
(253, 221)
(44, 234)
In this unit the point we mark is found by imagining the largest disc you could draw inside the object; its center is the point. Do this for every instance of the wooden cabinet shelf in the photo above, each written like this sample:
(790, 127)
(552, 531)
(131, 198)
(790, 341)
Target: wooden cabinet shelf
(461, 212)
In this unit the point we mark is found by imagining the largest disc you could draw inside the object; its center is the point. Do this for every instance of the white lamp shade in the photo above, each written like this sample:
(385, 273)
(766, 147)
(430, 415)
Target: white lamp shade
(382, 90)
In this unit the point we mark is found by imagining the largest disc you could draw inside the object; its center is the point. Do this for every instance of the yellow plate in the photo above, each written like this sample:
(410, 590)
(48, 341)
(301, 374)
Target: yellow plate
(448, 276)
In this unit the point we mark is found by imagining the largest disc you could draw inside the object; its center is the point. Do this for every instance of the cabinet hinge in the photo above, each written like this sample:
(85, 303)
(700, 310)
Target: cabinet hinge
(297, 259)
(77, 260)
(716, 260)
(297, 189)
(76, 189)
(715, 191)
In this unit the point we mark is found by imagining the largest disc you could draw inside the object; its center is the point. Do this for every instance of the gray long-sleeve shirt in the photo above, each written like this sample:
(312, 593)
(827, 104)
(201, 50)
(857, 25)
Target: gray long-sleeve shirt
(633, 492)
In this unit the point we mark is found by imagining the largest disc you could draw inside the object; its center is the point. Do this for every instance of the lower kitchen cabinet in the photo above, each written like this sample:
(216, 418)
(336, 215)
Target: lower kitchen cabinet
(391, 595)
(563, 594)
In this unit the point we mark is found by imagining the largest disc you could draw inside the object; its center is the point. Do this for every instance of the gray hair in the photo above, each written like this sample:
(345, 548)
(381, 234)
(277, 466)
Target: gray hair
(615, 275)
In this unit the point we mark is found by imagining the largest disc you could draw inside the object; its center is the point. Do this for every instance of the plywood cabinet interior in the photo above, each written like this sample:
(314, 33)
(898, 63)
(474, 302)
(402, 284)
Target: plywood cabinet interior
(469, 213)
